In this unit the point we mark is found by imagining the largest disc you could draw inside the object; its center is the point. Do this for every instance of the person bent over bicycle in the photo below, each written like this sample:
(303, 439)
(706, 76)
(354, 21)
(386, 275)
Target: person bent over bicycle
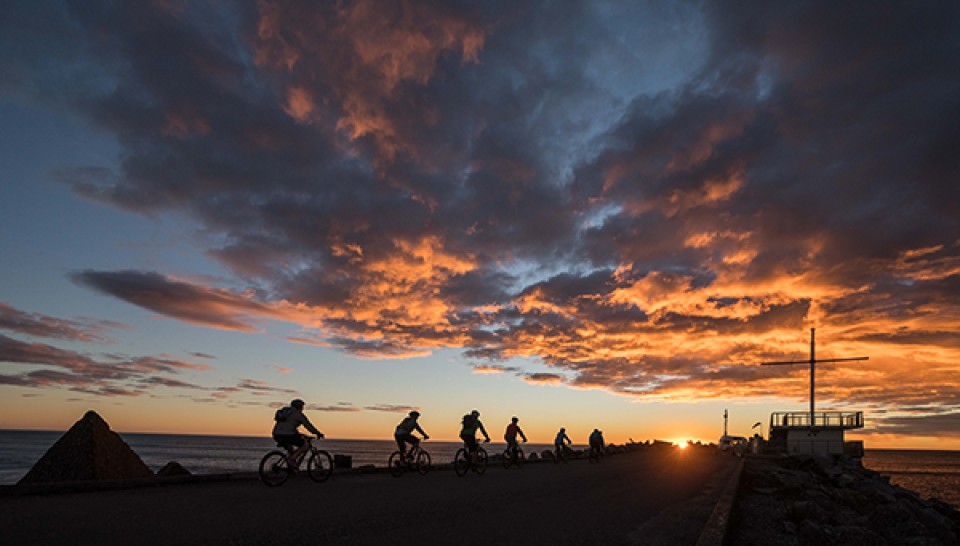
(511, 437)
(404, 434)
(468, 433)
(287, 434)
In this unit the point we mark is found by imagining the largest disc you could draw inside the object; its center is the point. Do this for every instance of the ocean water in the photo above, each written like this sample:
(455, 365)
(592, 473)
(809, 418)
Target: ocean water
(20, 449)
(932, 474)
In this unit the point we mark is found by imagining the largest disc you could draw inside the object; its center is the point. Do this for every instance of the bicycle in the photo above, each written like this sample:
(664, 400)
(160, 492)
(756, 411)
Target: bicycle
(559, 455)
(417, 459)
(595, 454)
(462, 461)
(275, 466)
(513, 457)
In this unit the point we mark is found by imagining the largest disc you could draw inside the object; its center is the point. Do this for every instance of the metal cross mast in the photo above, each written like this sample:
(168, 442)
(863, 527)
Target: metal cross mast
(813, 364)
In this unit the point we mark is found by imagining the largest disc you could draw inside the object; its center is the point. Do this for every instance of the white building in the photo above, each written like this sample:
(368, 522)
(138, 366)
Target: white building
(793, 433)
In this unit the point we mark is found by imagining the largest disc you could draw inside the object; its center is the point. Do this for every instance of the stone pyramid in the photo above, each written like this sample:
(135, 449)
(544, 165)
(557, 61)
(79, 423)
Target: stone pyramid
(88, 451)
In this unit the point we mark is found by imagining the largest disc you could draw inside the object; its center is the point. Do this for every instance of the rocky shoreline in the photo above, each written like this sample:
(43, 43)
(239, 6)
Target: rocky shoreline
(808, 500)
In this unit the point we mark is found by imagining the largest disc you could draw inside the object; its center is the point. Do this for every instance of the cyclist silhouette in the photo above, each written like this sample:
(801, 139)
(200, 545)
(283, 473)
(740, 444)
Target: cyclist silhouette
(468, 432)
(511, 436)
(404, 432)
(286, 430)
(561, 441)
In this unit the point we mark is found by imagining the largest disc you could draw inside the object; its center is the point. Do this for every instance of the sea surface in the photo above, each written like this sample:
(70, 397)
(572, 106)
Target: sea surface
(932, 474)
(20, 449)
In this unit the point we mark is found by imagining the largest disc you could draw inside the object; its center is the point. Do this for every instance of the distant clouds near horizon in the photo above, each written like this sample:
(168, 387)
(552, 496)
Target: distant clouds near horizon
(649, 199)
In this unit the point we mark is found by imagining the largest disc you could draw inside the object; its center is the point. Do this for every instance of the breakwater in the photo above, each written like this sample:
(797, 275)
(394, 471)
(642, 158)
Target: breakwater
(805, 500)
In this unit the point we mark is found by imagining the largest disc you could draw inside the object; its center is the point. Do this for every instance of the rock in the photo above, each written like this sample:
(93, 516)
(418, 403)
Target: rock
(173, 468)
(790, 480)
(799, 511)
(786, 501)
(342, 461)
(88, 451)
(845, 480)
(532, 457)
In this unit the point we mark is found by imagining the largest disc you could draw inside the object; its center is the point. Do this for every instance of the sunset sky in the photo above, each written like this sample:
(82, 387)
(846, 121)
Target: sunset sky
(587, 214)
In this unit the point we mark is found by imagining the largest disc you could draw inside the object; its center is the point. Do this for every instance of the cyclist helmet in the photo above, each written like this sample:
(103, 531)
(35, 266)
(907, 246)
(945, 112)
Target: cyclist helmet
(297, 403)
(514, 419)
(475, 413)
(414, 413)
(562, 429)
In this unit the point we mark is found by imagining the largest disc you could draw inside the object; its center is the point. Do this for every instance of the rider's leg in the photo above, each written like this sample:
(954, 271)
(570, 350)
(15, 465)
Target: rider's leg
(471, 444)
(296, 455)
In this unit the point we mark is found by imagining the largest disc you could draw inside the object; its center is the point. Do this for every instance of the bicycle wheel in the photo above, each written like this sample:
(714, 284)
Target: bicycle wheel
(461, 462)
(395, 464)
(423, 463)
(481, 466)
(274, 469)
(507, 458)
(320, 466)
(519, 459)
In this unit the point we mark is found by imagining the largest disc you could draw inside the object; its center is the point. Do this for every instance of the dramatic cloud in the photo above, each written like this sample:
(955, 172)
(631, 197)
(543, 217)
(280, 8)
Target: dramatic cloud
(188, 302)
(545, 378)
(346, 407)
(251, 387)
(38, 325)
(493, 369)
(646, 199)
(391, 408)
(49, 366)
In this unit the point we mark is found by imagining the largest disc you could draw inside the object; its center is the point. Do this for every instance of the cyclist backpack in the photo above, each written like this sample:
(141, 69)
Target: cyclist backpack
(282, 414)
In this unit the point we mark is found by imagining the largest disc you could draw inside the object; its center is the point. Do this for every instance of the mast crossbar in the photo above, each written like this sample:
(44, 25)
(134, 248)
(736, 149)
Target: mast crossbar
(813, 361)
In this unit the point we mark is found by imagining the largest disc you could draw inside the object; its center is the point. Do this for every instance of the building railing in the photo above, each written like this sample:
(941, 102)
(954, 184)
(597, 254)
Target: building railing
(821, 419)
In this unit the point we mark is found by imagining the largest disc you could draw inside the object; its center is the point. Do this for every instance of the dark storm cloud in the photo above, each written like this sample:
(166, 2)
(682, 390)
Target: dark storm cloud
(641, 196)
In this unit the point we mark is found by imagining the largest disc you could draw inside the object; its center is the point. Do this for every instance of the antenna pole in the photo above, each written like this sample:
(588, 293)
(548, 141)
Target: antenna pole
(813, 367)
(813, 364)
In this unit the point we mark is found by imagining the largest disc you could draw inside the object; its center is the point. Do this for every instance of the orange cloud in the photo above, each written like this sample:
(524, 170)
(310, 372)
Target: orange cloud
(367, 50)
